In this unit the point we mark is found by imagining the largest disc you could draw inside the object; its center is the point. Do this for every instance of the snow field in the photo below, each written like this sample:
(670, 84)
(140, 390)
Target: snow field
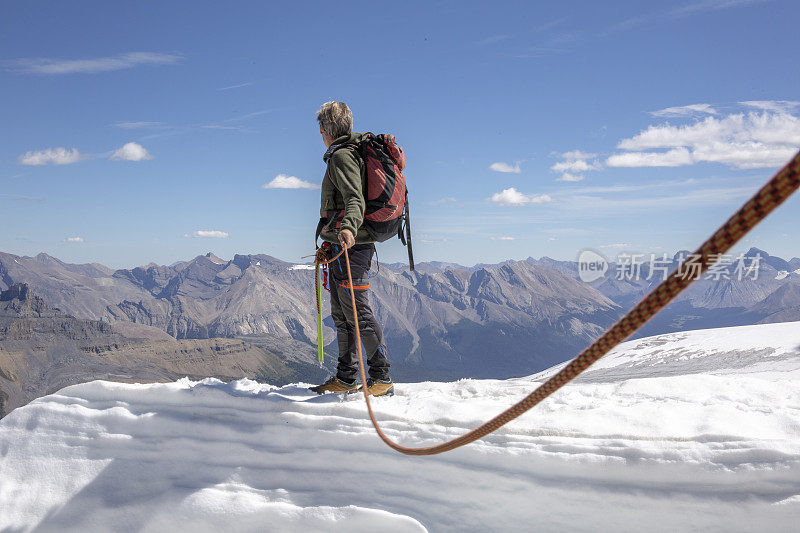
(678, 447)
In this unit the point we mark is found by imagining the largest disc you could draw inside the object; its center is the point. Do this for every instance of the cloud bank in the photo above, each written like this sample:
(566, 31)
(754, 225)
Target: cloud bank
(755, 139)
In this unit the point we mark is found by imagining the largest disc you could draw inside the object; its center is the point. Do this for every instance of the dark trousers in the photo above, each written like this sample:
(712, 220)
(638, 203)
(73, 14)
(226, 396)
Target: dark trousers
(342, 313)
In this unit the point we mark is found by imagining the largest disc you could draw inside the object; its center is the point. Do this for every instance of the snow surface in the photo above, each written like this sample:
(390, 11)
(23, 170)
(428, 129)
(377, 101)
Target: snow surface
(301, 267)
(680, 432)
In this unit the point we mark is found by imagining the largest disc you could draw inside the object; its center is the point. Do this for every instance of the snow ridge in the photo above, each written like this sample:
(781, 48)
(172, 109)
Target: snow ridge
(660, 435)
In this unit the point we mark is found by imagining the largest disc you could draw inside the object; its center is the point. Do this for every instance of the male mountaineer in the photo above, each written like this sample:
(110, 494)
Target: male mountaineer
(342, 209)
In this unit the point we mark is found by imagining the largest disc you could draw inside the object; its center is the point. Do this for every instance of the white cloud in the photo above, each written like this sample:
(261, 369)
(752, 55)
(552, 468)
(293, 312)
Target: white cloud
(512, 197)
(73, 239)
(746, 155)
(221, 127)
(576, 165)
(602, 205)
(282, 181)
(577, 154)
(742, 140)
(50, 156)
(752, 127)
(685, 10)
(493, 40)
(429, 239)
(91, 66)
(685, 111)
(131, 152)
(503, 238)
(138, 125)
(573, 163)
(15, 198)
(566, 176)
(228, 88)
(672, 158)
(248, 116)
(505, 167)
(618, 245)
(208, 234)
(710, 5)
(446, 200)
(776, 106)
(551, 239)
(616, 189)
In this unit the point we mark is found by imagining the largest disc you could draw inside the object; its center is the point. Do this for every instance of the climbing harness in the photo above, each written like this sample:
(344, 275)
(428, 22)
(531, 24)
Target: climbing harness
(770, 196)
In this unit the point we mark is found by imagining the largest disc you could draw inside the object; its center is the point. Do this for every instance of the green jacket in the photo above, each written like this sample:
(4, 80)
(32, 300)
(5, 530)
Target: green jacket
(343, 191)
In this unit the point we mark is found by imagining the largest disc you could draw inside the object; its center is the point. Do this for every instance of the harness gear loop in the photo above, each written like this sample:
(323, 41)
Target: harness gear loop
(769, 197)
(325, 284)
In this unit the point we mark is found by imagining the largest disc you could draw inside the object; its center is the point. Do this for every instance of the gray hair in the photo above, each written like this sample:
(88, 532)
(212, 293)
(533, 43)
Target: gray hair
(335, 119)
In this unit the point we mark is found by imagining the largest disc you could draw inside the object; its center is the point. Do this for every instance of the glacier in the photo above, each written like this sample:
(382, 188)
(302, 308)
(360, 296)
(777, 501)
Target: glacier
(698, 430)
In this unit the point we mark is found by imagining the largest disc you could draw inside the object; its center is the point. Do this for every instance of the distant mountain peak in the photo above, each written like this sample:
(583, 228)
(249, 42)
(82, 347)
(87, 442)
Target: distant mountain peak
(777, 263)
(47, 259)
(215, 259)
(756, 251)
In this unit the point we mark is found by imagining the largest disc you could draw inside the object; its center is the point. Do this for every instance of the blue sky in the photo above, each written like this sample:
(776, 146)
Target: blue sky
(146, 132)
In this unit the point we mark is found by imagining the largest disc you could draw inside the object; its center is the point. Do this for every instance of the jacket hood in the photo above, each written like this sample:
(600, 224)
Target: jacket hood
(352, 138)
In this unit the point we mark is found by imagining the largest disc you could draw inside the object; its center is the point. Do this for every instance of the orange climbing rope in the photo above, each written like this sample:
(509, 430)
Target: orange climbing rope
(770, 196)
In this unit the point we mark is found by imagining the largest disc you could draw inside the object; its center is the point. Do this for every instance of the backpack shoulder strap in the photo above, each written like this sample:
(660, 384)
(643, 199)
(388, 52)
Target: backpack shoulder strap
(334, 147)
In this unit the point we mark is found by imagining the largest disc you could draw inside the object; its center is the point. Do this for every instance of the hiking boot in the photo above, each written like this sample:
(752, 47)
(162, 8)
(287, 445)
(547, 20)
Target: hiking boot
(336, 385)
(380, 387)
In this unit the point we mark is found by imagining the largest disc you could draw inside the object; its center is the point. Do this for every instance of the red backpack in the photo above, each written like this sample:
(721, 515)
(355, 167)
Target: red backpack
(387, 212)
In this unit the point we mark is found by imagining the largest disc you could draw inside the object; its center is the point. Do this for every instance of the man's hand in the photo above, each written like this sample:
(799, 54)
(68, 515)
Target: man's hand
(321, 256)
(346, 238)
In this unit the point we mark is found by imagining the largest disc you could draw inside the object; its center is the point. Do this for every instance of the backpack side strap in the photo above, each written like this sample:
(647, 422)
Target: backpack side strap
(407, 240)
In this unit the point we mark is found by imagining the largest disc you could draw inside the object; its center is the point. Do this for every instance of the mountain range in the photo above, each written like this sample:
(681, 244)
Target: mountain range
(442, 321)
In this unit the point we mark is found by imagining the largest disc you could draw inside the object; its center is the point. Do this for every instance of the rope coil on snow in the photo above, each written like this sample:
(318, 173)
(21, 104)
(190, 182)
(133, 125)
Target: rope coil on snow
(769, 197)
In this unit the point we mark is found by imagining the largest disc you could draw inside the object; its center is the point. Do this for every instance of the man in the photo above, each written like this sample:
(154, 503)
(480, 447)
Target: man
(342, 213)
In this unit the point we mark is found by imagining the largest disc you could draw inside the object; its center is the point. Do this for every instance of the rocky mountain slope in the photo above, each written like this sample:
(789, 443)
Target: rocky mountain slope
(43, 349)
(489, 322)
